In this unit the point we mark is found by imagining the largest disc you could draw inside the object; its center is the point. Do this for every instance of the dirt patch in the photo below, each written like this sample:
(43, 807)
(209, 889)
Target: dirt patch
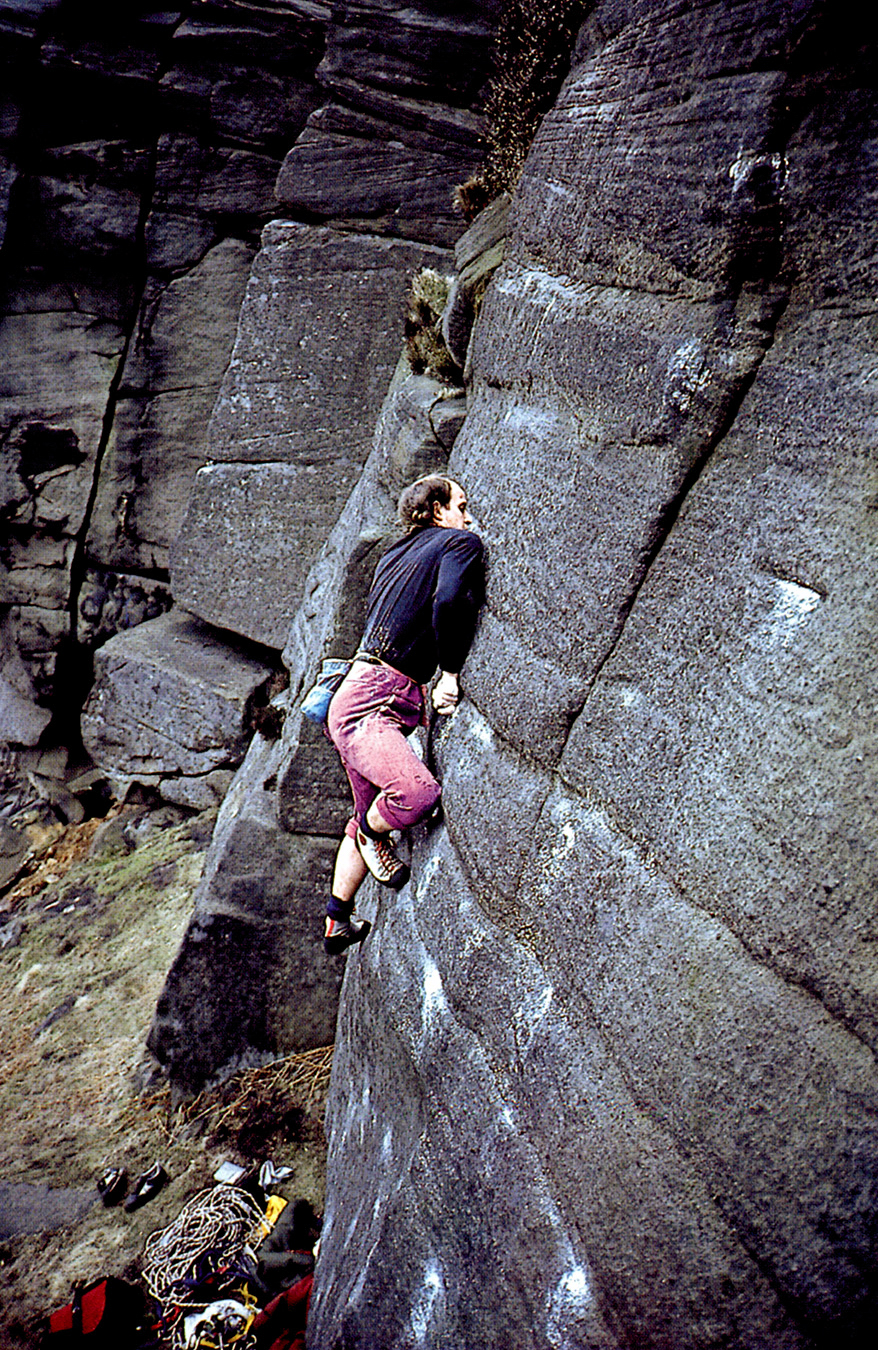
(93, 938)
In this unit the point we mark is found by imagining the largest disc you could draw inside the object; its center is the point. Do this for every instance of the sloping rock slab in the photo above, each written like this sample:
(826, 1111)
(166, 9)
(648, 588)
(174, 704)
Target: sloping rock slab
(170, 699)
(615, 1042)
(405, 83)
(318, 342)
(247, 71)
(251, 978)
(524, 1145)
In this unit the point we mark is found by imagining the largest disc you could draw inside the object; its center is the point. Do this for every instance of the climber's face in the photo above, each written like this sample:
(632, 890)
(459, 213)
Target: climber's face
(454, 516)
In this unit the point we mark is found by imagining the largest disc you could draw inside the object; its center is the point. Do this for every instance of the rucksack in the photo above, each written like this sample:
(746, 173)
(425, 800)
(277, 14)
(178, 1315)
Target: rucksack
(106, 1314)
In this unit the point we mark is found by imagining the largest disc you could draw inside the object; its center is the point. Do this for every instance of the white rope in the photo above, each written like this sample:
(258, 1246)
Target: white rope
(218, 1222)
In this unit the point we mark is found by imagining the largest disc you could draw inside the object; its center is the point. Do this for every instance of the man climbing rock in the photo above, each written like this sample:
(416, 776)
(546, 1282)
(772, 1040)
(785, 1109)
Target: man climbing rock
(420, 616)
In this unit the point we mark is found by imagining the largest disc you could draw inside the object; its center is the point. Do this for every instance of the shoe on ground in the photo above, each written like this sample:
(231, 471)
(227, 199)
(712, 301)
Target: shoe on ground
(347, 933)
(146, 1187)
(382, 862)
(113, 1185)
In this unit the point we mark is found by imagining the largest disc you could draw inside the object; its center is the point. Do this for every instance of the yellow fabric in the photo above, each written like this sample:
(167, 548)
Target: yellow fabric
(273, 1210)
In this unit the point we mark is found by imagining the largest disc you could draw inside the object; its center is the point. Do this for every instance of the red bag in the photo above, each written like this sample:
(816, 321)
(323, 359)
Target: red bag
(281, 1326)
(98, 1315)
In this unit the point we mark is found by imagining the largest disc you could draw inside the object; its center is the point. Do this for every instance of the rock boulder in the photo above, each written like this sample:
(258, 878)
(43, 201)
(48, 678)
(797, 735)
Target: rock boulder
(171, 705)
(318, 341)
(614, 1044)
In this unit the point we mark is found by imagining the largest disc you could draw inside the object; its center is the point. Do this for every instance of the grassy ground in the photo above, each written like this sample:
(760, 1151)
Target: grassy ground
(77, 992)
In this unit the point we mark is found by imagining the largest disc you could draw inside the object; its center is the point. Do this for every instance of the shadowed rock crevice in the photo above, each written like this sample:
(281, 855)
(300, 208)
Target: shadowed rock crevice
(79, 560)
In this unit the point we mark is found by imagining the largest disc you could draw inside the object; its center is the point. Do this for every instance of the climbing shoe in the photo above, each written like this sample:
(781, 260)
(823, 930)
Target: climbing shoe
(378, 855)
(113, 1185)
(146, 1187)
(347, 933)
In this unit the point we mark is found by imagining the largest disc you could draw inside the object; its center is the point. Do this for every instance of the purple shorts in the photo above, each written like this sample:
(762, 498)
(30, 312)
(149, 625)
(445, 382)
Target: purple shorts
(372, 712)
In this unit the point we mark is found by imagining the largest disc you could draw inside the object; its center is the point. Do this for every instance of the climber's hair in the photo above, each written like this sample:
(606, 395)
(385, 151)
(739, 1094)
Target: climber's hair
(417, 501)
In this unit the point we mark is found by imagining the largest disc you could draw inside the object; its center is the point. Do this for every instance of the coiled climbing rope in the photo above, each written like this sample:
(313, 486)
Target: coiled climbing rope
(210, 1235)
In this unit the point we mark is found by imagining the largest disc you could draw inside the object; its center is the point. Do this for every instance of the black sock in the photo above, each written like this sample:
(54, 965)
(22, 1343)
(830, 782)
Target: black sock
(340, 910)
(367, 829)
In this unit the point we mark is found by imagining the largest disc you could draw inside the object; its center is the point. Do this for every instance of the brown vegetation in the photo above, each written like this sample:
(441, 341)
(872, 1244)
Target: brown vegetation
(531, 58)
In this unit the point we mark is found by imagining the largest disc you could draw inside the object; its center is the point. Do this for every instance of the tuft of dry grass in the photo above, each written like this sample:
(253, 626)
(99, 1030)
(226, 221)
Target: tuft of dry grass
(532, 50)
(425, 348)
(298, 1082)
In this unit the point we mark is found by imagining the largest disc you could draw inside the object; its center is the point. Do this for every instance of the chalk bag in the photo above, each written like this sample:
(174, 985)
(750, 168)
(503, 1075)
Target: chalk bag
(315, 705)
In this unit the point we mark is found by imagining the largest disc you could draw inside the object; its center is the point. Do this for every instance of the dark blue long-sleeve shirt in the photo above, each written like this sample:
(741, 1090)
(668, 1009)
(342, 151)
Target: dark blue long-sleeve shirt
(424, 600)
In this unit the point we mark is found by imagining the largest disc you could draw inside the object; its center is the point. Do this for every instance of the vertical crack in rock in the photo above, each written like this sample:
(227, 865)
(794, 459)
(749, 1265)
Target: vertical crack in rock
(71, 658)
(71, 655)
(668, 517)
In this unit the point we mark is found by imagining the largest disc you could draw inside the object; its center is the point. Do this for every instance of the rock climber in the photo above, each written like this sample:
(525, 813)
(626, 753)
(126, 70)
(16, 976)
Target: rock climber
(420, 616)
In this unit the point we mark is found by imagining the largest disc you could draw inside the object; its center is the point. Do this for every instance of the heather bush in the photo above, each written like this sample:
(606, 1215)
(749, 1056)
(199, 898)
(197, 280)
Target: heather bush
(425, 348)
(531, 58)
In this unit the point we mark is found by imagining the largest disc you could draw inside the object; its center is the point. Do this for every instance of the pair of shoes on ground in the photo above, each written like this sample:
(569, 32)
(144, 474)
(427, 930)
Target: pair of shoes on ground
(384, 864)
(114, 1183)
